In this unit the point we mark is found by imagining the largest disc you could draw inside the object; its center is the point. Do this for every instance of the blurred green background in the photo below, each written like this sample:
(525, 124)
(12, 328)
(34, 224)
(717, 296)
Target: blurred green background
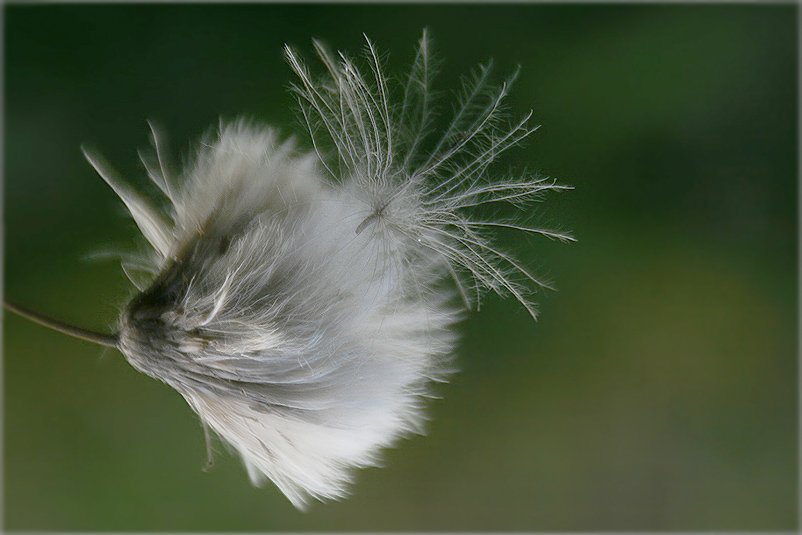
(658, 390)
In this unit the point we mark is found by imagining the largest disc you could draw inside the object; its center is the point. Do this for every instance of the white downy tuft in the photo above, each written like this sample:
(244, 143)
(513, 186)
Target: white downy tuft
(301, 304)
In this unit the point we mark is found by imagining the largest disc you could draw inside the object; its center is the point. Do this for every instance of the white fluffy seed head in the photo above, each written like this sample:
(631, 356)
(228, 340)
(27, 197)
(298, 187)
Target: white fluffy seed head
(300, 300)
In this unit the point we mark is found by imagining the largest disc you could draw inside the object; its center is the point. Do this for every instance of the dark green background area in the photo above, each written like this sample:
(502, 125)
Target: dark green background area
(656, 392)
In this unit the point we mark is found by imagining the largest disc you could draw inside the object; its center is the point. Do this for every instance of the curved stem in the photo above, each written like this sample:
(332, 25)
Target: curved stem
(109, 340)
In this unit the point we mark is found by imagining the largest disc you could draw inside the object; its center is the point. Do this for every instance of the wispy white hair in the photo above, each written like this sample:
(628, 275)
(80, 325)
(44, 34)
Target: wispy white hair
(300, 300)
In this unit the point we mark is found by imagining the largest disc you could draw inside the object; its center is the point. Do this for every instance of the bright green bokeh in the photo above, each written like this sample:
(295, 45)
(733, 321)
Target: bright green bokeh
(657, 391)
